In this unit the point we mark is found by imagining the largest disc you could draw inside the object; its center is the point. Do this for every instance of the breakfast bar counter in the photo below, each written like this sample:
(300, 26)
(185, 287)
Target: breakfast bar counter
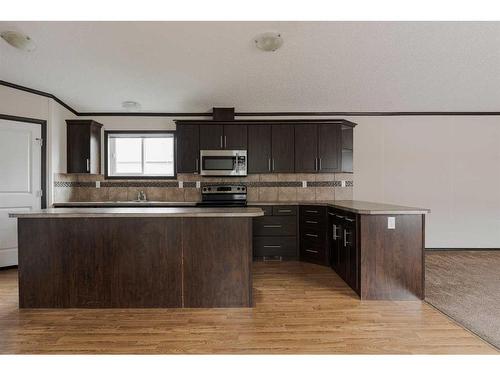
(135, 257)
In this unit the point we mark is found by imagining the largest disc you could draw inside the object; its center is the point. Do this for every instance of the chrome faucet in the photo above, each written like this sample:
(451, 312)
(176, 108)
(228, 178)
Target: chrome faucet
(141, 196)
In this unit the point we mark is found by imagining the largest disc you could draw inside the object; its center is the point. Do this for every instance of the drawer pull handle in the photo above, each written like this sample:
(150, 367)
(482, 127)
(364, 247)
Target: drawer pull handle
(312, 211)
(340, 217)
(311, 222)
(351, 220)
(312, 251)
(329, 213)
(272, 246)
(311, 235)
(285, 211)
(272, 226)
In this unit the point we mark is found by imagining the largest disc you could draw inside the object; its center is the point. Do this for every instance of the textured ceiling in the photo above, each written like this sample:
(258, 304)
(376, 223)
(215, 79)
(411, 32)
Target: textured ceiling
(322, 66)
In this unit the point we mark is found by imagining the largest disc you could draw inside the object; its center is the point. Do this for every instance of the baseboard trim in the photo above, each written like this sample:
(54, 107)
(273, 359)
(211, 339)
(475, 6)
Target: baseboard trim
(462, 249)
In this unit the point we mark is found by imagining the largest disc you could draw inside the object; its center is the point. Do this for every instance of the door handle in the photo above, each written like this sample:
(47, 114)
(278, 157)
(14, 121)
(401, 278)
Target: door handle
(225, 141)
(319, 162)
(197, 165)
(88, 165)
(335, 235)
(269, 164)
(221, 144)
(315, 164)
(345, 237)
(273, 164)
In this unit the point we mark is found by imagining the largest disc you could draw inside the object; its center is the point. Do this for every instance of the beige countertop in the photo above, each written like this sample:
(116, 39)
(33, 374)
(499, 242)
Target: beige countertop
(358, 207)
(141, 212)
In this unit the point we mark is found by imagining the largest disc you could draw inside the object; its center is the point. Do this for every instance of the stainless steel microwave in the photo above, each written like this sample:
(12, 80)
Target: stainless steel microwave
(223, 162)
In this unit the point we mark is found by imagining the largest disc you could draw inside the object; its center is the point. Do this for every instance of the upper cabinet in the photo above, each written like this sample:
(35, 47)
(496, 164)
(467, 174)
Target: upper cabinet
(83, 146)
(318, 148)
(188, 148)
(223, 137)
(274, 146)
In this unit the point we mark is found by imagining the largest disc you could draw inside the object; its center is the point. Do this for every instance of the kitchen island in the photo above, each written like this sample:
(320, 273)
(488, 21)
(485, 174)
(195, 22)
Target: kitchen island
(135, 257)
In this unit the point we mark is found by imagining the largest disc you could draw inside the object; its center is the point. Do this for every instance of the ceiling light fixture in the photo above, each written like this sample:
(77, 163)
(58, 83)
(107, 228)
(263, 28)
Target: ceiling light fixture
(131, 106)
(18, 40)
(269, 41)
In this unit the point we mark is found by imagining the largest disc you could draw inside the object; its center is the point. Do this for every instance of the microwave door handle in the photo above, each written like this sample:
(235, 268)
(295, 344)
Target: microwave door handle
(236, 160)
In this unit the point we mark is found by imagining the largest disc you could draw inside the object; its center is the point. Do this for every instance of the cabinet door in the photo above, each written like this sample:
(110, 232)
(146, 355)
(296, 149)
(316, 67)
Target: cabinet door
(95, 149)
(259, 148)
(282, 148)
(188, 148)
(235, 137)
(329, 148)
(78, 148)
(306, 147)
(211, 137)
(351, 256)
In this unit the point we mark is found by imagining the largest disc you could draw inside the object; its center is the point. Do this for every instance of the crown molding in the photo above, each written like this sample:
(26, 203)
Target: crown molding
(249, 114)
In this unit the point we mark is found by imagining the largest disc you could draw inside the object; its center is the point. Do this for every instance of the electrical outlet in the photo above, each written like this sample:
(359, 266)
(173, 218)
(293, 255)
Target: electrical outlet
(343, 183)
(98, 184)
(198, 184)
(304, 184)
(181, 184)
(391, 222)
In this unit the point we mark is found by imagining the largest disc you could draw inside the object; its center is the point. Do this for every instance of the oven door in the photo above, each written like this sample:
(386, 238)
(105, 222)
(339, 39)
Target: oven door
(223, 162)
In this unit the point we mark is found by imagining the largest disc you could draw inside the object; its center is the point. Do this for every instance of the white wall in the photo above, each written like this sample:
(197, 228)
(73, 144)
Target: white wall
(450, 164)
(20, 103)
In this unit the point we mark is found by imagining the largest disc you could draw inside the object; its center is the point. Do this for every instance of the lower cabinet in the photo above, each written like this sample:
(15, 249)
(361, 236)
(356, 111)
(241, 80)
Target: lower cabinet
(275, 233)
(313, 234)
(343, 247)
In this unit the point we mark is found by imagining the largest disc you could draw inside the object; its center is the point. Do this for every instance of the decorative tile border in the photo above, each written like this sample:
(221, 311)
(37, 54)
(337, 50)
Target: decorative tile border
(192, 184)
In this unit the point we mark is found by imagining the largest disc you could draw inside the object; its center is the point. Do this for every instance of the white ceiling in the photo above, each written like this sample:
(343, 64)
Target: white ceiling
(322, 66)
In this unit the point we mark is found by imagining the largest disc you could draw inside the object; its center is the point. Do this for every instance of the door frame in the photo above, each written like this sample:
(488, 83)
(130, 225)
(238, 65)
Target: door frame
(43, 172)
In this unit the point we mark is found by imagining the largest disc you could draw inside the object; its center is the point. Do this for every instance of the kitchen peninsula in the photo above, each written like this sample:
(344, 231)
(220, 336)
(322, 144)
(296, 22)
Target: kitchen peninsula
(135, 257)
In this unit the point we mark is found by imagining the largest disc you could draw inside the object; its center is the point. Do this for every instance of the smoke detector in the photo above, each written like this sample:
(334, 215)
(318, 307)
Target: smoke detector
(269, 41)
(18, 40)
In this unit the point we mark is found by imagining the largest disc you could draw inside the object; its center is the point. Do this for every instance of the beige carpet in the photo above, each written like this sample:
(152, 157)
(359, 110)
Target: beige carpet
(466, 286)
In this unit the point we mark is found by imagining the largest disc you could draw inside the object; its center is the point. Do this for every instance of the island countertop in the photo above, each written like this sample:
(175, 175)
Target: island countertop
(194, 212)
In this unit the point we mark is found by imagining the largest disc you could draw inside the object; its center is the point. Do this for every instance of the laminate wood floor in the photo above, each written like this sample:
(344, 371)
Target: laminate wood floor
(299, 308)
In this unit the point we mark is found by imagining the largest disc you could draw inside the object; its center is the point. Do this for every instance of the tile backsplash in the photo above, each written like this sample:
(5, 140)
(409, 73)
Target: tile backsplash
(263, 187)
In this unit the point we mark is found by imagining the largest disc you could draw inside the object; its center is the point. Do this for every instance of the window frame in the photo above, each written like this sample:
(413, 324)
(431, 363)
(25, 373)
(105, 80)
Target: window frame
(107, 133)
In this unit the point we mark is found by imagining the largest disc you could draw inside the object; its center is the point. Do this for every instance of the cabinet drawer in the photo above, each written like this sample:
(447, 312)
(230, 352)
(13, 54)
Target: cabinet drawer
(312, 213)
(285, 210)
(274, 246)
(275, 226)
(312, 251)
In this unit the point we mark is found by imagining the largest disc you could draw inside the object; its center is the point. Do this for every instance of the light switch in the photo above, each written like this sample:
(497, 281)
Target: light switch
(304, 184)
(181, 184)
(98, 184)
(391, 222)
(198, 184)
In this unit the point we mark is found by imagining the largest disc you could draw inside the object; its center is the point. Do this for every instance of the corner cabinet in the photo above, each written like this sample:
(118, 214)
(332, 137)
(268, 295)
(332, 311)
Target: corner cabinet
(83, 146)
(274, 146)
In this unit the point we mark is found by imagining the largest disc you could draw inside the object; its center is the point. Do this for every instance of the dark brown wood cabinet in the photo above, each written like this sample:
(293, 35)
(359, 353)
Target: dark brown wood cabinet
(188, 148)
(275, 233)
(83, 146)
(282, 148)
(313, 234)
(329, 148)
(274, 146)
(306, 148)
(318, 148)
(219, 136)
(259, 148)
(211, 136)
(235, 137)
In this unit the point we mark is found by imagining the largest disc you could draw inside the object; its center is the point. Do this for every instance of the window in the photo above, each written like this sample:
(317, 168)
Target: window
(136, 154)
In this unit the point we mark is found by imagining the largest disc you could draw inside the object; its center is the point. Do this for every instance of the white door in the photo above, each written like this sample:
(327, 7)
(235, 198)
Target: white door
(20, 170)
